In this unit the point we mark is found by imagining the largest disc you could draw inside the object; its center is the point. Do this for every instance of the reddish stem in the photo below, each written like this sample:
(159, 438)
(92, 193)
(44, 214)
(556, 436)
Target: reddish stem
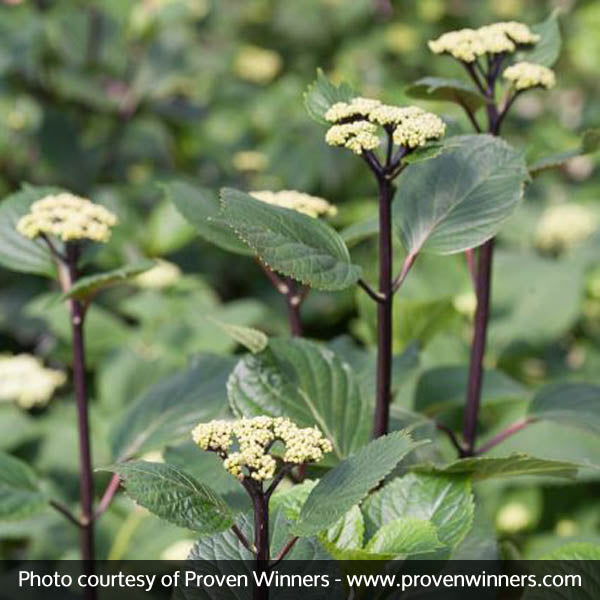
(506, 433)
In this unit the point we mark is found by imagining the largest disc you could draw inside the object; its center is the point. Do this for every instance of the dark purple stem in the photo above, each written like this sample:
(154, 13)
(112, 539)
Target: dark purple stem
(509, 431)
(86, 484)
(384, 311)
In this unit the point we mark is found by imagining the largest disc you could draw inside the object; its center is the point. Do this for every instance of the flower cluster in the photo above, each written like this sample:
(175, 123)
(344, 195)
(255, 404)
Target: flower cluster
(525, 75)
(468, 44)
(356, 124)
(563, 226)
(67, 217)
(245, 445)
(25, 380)
(163, 274)
(312, 206)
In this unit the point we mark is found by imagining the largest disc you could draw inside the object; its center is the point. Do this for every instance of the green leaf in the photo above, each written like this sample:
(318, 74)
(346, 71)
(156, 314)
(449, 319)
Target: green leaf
(201, 208)
(309, 384)
(356, 233)
(517, 464)
(346, 534)
(424, 153)
(590, 143)
(252, 339)
(461, 198)
(349, 482)
(173, 495)
(89, 286)
(452, 90)
(576, 404)
(547, 50)
(169, 410)
(291, 243)
(405, 537)
(442, 388)
(17, 252)
(322, 94)
(20, 495)
(575, 551)
(445, 500)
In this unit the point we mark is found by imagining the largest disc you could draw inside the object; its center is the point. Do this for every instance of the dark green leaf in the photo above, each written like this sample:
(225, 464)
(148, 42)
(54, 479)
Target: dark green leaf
(349, 482)
(291, 243)
(461, 198)
(20, 495)
(173, 495)
(452, 90)
(252, 339)
(322, 94)
(547, 50)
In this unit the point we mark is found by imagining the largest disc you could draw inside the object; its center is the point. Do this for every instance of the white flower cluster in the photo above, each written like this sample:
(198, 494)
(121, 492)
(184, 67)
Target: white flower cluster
(312, 206)
(254, 439)
(412, 126)
(67, 217)
(25, 380)
(468, 44)
(563, 226)
(163, 274)
(525, 75)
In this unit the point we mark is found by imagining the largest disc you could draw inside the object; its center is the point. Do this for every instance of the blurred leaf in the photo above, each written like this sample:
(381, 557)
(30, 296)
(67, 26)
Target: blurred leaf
(590, 143)
(357, 232)
(89, 286)
(201, 208)
(309, 384)
(170, 409)
(441, 388)
(515, 465)
(20, 496)
(547, 50)
(445, 500)
(452, 90)
(16, 426)
(461, 198)
(575, 551)
(322, 94)
(252, 339)
(17, 252)
(349, 482)
(405, 537)
(174, 496)
(291, 243)
(576, 404)
(166, 230)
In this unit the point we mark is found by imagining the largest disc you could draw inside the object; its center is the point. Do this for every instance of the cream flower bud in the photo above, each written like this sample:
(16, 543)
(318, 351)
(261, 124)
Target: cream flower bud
(525, 75)
(357, 136)
(468, 44)
(312, 206)
(25, 380)
(257, 65)
(67, 217)
(253, 440)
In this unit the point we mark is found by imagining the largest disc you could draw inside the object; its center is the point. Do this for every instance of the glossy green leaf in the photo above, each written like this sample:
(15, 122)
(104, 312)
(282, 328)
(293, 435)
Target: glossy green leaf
(20, 495)
(322, 94)
(349, 482)
(451, 90)
(445, 500)
(89, 286)
(547, 50)
(169, 410)
(309, 384)
(201, 208)
(405, 537)
(175, 496)
(17, 252)
(252, 339)
(291, 243)
(515, 465)
(576, 404)
(461, 198)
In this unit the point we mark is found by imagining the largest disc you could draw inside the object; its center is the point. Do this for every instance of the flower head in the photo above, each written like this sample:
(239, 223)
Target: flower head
(257, 65)
(563, 226)
(468, 44)
(67, 217)
(245, 445)
(526, 75)
(313, 206)
(356, 124)
(25, 380)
